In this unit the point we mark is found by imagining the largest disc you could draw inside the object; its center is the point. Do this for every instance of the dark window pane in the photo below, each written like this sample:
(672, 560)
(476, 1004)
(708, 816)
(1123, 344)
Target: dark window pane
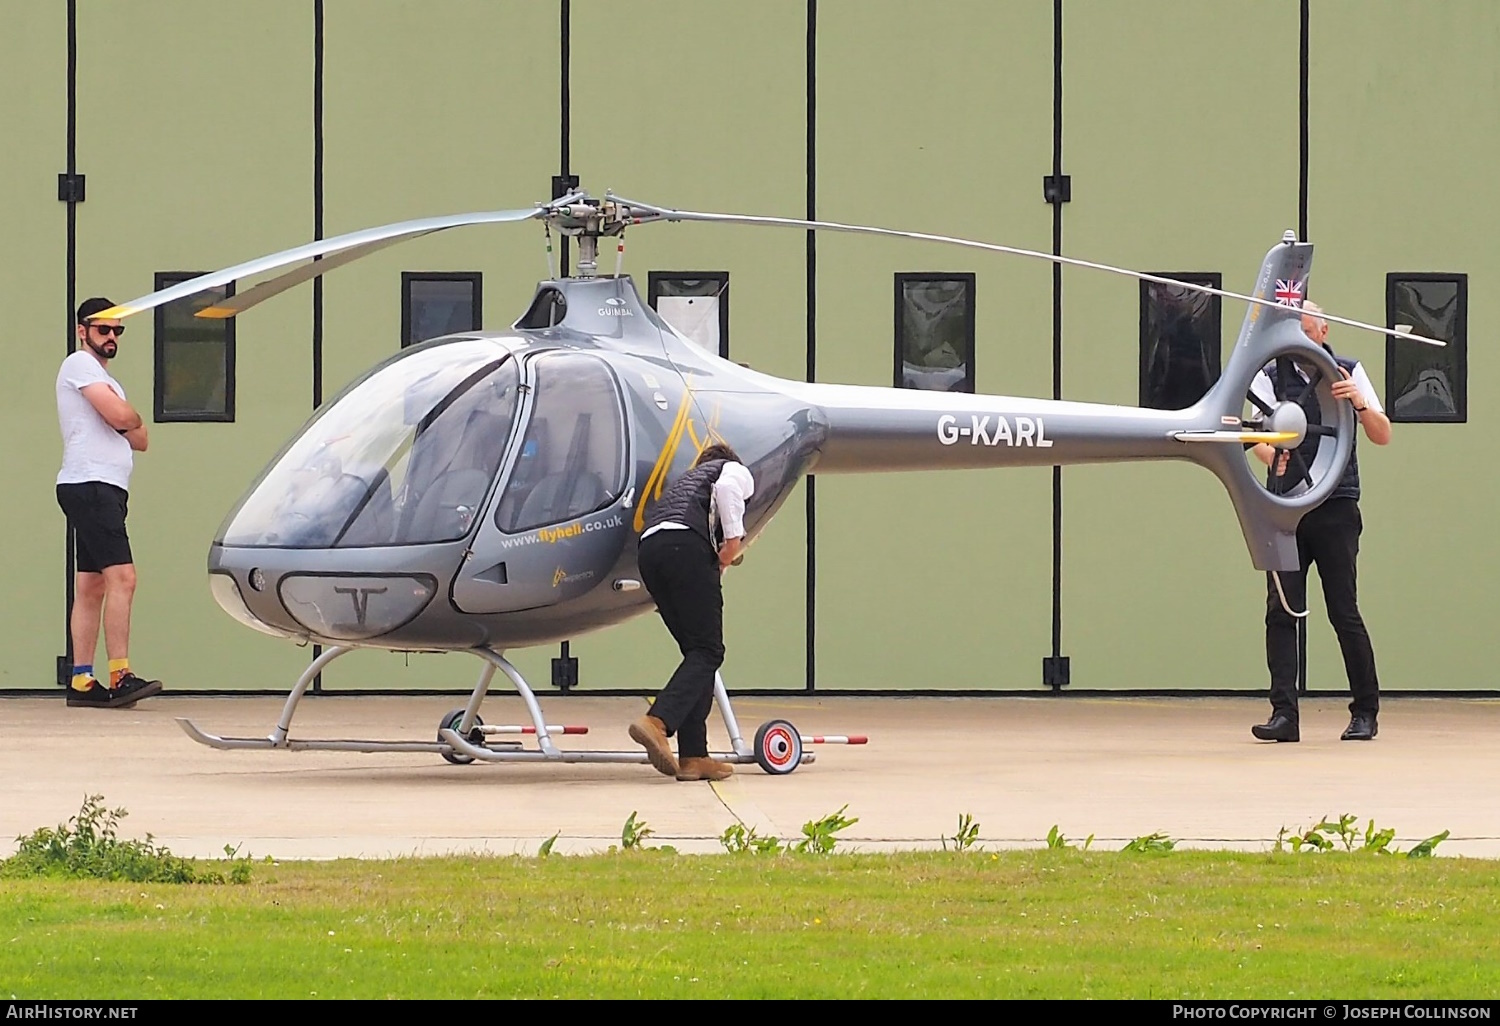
(1422, 382)
(696, 303)
(935, 332)
(1180, 337)
(572, 460)
(194, 357)
(438, 304)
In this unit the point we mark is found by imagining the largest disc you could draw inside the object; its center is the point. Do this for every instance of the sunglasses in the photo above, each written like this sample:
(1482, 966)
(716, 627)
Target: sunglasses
(109, 329)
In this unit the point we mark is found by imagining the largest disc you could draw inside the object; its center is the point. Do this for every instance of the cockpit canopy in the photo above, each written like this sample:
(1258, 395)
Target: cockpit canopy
(406, 455)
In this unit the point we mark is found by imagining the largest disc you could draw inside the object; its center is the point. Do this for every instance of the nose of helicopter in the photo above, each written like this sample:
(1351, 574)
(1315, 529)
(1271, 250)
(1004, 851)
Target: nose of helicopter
(315, 604)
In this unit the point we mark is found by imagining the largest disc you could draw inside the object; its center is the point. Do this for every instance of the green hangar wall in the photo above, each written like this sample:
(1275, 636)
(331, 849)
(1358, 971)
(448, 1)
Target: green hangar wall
(1192, 132)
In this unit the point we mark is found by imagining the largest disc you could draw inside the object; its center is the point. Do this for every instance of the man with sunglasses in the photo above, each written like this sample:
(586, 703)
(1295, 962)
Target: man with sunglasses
(101, 431)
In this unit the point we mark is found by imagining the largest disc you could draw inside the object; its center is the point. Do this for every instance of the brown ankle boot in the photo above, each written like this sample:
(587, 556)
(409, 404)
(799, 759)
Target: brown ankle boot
(703, 768)
(651, 734)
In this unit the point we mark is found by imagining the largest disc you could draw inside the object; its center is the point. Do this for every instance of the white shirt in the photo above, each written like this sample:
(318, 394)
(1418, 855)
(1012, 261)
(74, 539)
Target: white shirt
(92, 450)
(734, 486)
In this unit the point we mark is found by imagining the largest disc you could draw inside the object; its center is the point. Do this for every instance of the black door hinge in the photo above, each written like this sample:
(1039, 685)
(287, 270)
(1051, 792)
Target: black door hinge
(565, 670)
(69, 188)
(563, 184)
(1057, 188)
(1055, 672)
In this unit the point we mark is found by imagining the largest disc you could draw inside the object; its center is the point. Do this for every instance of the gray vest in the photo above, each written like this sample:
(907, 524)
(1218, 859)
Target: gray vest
(690, 502)
(1348, 486)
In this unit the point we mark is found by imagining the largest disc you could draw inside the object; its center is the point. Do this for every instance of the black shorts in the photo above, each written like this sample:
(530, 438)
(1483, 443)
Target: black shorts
(96, 511)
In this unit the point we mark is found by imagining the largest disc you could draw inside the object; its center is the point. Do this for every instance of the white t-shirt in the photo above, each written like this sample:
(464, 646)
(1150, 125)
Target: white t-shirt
(92, 450)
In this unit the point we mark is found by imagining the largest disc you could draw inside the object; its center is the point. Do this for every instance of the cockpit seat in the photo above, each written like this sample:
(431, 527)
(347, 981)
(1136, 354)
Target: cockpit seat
(448, 506)
(559, 497)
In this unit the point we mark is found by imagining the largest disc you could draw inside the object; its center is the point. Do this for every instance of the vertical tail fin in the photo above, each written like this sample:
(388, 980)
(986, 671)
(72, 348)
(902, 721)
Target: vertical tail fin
(1267, 335)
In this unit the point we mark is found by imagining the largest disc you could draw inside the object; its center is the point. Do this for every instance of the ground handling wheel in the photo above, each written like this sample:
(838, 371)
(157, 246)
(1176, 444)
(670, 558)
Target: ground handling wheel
(476, 736)
(778, 747)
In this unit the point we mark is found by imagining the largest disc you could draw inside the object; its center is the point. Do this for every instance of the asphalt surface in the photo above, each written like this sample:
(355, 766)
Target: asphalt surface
(1116, 768)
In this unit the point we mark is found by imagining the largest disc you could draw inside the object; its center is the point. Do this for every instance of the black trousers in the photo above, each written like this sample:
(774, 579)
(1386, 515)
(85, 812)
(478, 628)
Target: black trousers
(681, 571)
(1327, 538)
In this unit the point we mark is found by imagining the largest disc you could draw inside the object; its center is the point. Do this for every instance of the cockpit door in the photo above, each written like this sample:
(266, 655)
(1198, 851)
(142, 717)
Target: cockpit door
(557, 523)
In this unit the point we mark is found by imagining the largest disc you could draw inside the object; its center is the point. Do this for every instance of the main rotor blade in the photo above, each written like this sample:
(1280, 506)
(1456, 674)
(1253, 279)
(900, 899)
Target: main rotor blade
(242, 301)
(834, 226)
(349, 247)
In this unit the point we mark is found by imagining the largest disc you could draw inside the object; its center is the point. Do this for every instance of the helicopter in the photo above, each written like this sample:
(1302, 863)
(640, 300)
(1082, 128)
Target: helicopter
(486, 490)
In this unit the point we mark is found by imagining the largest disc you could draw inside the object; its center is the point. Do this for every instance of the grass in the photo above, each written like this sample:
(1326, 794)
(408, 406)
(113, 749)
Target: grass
(640, 923)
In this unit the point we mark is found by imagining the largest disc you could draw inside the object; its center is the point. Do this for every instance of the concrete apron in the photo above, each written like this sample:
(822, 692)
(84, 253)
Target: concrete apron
(1116, 768)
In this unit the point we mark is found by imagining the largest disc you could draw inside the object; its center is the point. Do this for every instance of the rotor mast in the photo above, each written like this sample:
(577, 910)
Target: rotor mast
(587, 219)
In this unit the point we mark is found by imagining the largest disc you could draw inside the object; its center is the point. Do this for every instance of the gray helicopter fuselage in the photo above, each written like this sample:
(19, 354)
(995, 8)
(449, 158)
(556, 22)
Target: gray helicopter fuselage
(535, 555)
(489, 489)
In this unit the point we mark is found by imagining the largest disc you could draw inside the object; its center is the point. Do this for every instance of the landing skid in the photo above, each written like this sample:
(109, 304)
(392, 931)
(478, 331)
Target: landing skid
(464, 738)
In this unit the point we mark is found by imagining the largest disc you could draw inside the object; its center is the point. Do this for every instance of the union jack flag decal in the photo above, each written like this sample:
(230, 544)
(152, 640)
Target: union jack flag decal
(1288, 293)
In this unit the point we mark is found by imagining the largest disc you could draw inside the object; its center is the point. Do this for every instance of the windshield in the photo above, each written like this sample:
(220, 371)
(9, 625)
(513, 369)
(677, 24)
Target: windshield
(403, 457)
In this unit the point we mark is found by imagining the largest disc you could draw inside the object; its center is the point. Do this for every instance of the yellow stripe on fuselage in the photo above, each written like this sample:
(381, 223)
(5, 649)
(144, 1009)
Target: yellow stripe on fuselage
(658, 479)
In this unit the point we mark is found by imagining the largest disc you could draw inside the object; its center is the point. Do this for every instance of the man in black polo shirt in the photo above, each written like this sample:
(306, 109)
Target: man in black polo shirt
(691, 534)
(1327, 536)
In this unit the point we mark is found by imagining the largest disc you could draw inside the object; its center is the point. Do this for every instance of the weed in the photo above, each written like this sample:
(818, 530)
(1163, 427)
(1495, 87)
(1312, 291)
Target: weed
(1154, 843)
(736, 838)
(968, 832)
(1328, 834)
(1057, 842)
(819, 835)
(634, 833)
(546, 848)
(239, 868)
(1424, 849)
(1378, 841)
(88, 845)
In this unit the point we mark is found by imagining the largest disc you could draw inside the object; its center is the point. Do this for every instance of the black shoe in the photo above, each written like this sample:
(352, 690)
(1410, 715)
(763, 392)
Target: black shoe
(1362, 727)
(132, 689)
(100, 697)
(1280, 727)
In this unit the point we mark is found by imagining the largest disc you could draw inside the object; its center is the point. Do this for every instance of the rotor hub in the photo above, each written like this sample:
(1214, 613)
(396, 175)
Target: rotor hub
(1291, 418)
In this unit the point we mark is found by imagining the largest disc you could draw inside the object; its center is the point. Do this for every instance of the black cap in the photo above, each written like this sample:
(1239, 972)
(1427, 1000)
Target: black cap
(91, 307)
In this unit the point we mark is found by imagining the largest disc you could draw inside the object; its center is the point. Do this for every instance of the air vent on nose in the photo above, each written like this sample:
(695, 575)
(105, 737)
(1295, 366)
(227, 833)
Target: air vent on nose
(494, 575)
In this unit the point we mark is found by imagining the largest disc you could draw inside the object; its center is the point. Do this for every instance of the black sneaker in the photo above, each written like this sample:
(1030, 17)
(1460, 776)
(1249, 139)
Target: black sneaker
(132, 689)
(96, 697)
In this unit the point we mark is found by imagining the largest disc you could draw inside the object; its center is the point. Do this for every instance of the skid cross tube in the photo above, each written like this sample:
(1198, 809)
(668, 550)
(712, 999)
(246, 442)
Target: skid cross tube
(455, 741)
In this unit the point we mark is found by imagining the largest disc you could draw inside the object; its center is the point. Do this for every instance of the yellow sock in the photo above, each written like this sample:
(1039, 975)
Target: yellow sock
(117, 669)
(83, 680)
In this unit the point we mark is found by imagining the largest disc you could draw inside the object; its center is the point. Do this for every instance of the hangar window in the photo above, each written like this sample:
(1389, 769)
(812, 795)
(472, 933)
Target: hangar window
(1181, 331)
(935, 332)
(696, 303)
(437, 303)
(1425, 384)
(194, 356)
